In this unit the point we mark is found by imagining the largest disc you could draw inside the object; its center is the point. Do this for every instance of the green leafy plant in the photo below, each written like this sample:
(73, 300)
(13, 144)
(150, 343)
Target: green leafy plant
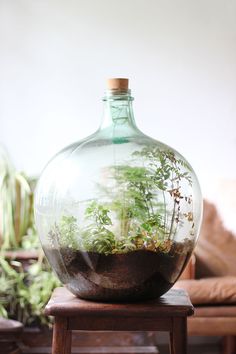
(24, 292)
(65, 233)
(16, 207)
(137, 203)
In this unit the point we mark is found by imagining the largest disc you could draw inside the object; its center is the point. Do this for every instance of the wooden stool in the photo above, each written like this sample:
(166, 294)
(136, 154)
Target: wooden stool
(10, 335)
(168, 313)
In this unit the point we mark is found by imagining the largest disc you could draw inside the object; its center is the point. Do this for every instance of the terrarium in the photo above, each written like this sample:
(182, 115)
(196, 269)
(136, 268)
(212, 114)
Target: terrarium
(118, 213)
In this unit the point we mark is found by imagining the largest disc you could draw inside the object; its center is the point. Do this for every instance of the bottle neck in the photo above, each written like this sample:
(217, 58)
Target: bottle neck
(118, 116)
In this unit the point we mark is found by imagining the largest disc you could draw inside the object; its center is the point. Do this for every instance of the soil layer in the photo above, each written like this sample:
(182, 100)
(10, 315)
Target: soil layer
(132, 276)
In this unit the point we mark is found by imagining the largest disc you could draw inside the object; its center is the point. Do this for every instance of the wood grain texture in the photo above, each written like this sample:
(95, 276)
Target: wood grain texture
(178, 336)
(61, 342)
(119, 324)
(168, 313)
(175, 303)
(229, 344)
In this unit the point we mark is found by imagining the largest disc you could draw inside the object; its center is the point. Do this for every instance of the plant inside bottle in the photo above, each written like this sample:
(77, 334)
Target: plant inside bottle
(138, 204)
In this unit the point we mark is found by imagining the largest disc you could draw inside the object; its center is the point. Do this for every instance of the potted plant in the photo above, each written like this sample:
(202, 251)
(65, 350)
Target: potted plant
(26, 280)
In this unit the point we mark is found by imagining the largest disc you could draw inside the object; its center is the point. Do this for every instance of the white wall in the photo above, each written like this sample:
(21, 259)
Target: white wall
(180, 56)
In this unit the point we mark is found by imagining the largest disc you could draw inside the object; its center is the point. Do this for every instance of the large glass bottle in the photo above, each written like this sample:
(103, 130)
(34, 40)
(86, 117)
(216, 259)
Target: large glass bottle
(118, 213)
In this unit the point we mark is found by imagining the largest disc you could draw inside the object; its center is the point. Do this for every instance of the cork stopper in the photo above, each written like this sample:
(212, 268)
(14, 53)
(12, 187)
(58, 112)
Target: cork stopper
(118, 84)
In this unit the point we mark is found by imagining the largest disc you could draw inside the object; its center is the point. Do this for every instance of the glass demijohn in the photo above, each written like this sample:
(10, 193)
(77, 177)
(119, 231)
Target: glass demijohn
(118, 213)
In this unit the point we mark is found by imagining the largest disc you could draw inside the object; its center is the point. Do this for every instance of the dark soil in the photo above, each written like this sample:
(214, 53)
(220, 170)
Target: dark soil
(131, 276)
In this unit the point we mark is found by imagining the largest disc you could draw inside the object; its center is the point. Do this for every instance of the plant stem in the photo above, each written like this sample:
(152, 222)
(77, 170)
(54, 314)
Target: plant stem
(172, 220)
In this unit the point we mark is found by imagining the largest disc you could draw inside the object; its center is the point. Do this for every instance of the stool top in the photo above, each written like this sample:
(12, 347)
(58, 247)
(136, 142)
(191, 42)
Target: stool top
(10, 326)
(175, 303)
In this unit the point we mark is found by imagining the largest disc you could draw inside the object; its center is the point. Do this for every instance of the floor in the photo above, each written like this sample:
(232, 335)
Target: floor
(195, 349)
(196, 345)
(127, 343)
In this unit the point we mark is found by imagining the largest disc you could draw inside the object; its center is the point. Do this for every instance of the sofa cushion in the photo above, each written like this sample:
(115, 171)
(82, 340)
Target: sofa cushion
(212, 326)
(225, 310)
(216, 247)
(216, 290)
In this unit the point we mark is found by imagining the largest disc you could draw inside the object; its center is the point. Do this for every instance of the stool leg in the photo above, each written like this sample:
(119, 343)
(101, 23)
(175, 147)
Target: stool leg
(229, 344)
(68, 342)
(61, 341)
(178, 336)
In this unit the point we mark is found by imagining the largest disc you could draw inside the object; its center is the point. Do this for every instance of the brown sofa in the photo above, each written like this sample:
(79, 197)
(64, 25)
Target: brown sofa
(210, 279)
